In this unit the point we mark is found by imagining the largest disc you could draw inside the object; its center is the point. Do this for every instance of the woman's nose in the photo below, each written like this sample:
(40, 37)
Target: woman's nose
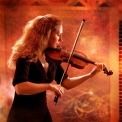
(60, 39)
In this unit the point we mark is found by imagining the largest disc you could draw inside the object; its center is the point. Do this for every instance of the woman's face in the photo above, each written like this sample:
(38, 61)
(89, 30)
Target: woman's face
(55, 37)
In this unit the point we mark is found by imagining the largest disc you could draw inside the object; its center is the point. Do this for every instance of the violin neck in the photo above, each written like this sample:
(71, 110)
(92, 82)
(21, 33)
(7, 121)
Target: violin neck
(86, 60)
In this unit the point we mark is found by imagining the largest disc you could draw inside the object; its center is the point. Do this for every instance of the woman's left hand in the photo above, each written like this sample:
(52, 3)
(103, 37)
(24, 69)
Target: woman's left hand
(99, 67)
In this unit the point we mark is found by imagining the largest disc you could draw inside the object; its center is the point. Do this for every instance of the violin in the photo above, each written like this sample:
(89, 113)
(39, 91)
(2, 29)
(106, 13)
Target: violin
(77, 61)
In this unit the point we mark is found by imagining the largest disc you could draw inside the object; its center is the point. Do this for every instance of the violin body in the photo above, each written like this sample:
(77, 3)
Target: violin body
(60, 55)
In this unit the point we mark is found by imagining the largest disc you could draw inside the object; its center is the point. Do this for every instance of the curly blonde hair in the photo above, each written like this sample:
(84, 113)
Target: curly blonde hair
(34, 39)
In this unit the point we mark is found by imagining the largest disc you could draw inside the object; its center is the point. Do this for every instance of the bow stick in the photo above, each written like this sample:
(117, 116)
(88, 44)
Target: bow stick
(73, 48)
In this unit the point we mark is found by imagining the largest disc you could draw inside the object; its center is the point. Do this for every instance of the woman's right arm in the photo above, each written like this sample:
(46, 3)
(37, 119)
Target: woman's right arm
(28, 88)
(25, 87)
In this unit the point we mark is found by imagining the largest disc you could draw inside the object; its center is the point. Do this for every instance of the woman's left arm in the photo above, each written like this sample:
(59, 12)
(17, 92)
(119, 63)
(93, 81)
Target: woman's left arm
(76, 81)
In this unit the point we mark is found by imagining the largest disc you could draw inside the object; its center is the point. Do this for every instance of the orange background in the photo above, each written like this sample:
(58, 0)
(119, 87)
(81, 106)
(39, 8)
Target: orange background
(97, 99)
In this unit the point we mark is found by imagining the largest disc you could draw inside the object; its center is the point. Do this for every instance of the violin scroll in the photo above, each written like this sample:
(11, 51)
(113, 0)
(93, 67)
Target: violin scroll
(105, 70)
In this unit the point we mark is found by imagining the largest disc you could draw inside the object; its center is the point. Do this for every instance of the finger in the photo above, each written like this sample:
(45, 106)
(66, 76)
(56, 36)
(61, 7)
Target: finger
(58, 92)
(100, 66)
(62, 90)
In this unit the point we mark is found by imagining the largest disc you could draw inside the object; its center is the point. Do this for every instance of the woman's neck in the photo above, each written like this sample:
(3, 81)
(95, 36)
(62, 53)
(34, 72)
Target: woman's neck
(42, 59)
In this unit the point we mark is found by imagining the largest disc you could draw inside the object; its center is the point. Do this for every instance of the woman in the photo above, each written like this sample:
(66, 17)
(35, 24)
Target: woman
(34, 73)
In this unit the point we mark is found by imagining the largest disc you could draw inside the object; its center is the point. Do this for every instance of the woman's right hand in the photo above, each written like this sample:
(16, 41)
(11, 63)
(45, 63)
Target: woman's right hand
(58, 89)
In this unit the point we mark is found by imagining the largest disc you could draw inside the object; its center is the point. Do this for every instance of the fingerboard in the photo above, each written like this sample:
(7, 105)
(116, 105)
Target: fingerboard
(120, 71)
